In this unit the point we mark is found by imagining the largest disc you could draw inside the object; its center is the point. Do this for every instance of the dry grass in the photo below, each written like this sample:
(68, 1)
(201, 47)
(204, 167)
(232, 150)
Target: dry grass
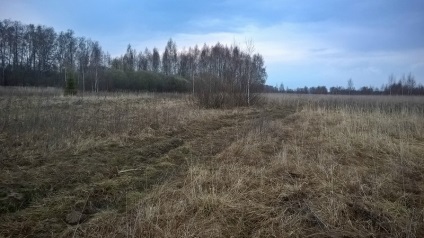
(157, 166)
(91, 154)
(49, 123)
(320, 172)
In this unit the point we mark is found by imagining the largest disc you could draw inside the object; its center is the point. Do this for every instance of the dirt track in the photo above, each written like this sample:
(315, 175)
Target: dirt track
(114, 176)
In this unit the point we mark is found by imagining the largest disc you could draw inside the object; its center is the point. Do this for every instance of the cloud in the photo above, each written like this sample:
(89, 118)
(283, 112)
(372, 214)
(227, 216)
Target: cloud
(303, 42)
(310, 53)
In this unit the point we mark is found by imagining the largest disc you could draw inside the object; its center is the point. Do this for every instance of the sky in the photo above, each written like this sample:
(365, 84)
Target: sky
(304, 43)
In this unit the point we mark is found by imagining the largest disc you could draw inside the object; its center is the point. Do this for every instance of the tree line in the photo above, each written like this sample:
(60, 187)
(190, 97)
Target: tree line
(37, 55)
(405, 85)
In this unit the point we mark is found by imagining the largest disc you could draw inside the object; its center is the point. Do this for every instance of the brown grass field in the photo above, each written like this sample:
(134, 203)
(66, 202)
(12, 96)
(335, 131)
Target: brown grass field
(157, 165)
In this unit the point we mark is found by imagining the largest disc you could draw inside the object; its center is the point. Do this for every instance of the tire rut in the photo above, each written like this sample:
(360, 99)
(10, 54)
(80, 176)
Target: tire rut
(101, 178)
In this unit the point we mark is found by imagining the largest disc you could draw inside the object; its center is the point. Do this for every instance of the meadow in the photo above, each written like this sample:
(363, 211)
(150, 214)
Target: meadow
(158, 165)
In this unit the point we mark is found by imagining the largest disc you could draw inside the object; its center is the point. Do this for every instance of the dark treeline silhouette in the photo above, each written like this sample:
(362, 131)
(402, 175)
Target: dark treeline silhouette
(406, 85)
(36, 55)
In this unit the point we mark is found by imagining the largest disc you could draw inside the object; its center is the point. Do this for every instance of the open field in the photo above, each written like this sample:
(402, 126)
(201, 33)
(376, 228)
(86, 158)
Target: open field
(157, 165)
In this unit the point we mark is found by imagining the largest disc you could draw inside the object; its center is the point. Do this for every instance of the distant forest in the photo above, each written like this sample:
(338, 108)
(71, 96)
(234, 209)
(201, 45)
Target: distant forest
(33, 55)
(406, 85)
(36, 55)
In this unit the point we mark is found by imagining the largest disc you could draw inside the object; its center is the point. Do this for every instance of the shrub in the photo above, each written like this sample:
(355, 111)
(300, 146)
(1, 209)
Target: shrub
(212, 92)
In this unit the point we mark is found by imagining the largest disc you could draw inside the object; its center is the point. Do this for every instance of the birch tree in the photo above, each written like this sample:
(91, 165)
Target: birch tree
(95, 62)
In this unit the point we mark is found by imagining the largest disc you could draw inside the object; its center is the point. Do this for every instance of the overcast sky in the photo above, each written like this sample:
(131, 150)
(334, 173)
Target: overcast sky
(304, 43)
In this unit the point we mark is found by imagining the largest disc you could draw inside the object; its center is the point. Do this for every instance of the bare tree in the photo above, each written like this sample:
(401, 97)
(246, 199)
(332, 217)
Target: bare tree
(71, 49)
(141, 61)
(149, 59)
(3, 50)
(218, 72)
(350, 86)
(83, 57)
(61, 52)
(156, 60)
(193, 62)
(95, 62)
(170, 59)
(392, 80)
(410, 83)
(129, 59)
(250, 48)
(166, 62)
(227, 76)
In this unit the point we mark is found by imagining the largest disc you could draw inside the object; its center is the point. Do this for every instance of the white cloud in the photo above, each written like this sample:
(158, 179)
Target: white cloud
(323, 51)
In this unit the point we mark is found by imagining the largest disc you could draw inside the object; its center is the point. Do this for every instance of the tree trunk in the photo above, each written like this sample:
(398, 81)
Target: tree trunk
(248, 86)
(83, 82)
(96, 83)
(192, 80)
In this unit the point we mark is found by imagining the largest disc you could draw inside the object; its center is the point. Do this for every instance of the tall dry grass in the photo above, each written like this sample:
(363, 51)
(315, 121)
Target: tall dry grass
(60, 155)
(340, 166)
(354, 169)
(43, 121)
(365, 103)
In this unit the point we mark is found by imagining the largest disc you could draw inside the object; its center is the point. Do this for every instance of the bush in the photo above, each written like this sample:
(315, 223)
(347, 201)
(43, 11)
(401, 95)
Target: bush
(211, 92)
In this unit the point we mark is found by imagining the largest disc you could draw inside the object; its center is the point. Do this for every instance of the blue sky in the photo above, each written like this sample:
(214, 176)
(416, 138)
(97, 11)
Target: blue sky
(304, 43)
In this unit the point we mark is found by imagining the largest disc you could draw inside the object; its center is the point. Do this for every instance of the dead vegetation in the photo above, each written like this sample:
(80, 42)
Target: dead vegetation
(63, 156)
(298, 167)
(338, 172)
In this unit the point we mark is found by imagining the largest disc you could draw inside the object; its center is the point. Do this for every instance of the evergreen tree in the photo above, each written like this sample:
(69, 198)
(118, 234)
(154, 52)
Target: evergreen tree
(71, 88)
